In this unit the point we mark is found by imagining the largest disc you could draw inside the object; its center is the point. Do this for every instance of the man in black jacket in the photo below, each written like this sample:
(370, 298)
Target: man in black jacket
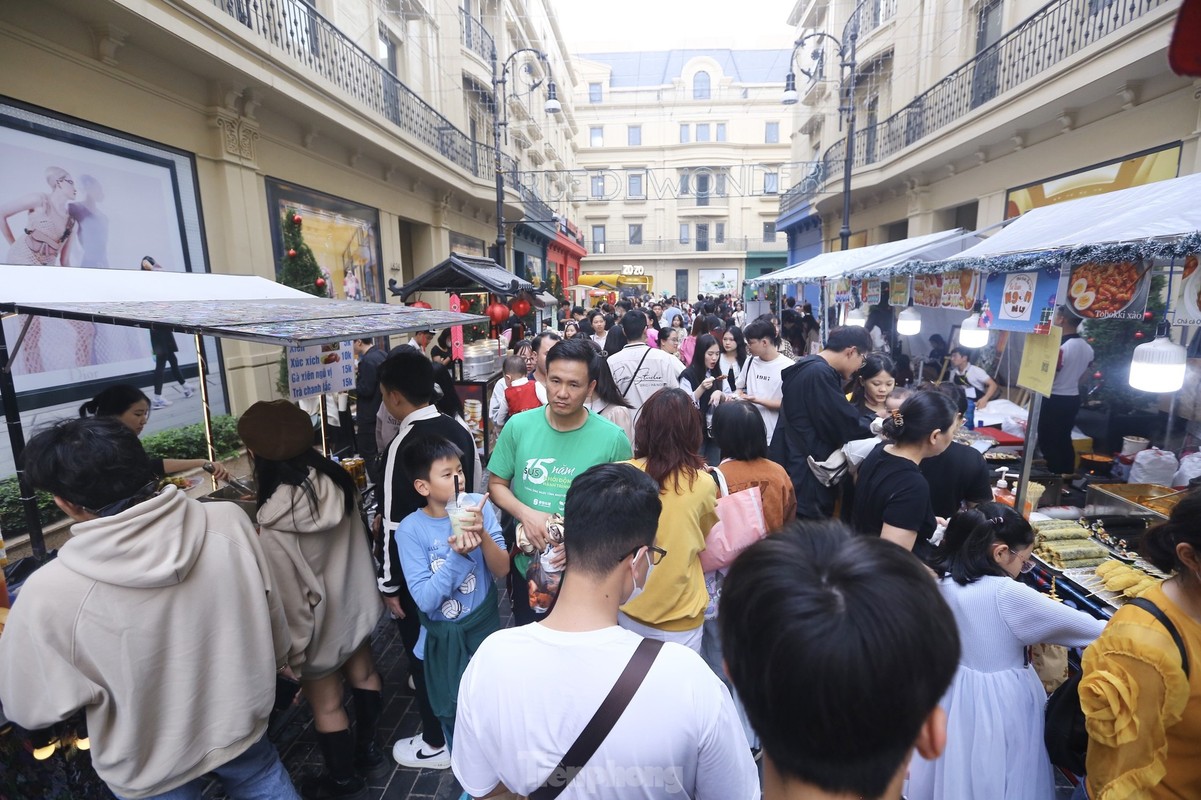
(816, 417)
(367, 394)
(407, 388)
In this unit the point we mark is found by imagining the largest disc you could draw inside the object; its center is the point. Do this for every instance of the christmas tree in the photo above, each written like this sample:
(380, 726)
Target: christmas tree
(1113, 342)
(297, 265)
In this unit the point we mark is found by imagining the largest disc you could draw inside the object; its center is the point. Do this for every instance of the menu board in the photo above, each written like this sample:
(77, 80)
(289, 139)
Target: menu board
(870, 291)
(927, 290)
(842, 291)
(960, 289)
(320, 369)
(898, 290)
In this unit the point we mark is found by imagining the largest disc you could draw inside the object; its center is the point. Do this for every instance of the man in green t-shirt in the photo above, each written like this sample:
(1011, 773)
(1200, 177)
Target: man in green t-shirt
(542, 450)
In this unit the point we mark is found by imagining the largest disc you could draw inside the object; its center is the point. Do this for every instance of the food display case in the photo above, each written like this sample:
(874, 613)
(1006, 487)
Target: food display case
(477, 396)
(1146, 502)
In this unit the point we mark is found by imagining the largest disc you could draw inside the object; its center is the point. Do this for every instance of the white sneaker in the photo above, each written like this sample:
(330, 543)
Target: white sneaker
(187, 390)
(416, 754)
(159, 402)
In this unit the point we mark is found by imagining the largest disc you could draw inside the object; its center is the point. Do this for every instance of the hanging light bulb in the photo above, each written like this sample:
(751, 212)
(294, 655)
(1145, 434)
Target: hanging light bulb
(971, 335)
(909, 322)
(856, 318)
(1159, 366)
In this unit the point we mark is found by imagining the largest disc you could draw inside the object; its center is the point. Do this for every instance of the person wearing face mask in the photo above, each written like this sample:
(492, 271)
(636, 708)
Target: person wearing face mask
(995, 704)
(667, 446)
(680, 733)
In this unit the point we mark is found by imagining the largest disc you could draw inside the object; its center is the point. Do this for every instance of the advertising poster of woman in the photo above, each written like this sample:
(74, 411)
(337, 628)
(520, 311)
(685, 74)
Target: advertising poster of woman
(76, 196)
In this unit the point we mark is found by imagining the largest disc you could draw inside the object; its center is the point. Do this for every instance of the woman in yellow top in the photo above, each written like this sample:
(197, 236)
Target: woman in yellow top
(667, 442)
(1143, 715)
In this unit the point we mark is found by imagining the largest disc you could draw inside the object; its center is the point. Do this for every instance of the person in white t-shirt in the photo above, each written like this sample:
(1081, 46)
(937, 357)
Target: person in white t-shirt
(678, 737)
(639, 369)
(760, 382)
(976, 383)
(1059, 411)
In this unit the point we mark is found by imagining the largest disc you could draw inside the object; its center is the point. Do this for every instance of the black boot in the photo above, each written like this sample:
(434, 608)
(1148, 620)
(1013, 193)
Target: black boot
(339, 781)
(369, 760)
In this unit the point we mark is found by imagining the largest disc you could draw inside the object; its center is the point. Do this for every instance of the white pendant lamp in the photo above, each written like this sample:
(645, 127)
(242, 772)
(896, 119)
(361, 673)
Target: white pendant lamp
(971, 335)
(1159, 366)
(909, 322)
(856, 318)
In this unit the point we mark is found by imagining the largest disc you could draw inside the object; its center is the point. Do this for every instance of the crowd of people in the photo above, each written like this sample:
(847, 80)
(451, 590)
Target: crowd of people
(872, 643)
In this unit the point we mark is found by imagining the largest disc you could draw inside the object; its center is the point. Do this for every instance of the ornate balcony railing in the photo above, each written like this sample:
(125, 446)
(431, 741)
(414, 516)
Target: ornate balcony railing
(876, 13)
(474, 36)
(1056, 31)
(296, 28)
(729, 244)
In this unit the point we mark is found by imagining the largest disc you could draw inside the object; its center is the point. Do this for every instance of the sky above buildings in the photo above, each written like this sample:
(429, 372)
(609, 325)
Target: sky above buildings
(642, 25)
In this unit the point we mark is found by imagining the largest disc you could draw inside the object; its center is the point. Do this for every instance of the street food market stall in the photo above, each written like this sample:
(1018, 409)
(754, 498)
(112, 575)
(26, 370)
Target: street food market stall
(246, 308)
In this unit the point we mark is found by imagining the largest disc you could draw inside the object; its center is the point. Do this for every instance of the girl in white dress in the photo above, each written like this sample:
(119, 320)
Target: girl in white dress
(995, 704)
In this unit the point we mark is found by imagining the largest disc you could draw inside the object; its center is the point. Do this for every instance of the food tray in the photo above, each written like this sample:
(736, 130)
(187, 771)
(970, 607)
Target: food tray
(1086, 578)
(1113, 551)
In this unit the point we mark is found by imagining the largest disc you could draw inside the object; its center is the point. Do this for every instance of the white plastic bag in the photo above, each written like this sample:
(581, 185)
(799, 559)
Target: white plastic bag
(1190, 467)
(1154, 466)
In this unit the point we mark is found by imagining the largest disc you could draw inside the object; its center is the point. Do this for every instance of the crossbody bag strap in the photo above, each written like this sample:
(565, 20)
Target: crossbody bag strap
(1157, 612)
(602, 722)
(634, 377)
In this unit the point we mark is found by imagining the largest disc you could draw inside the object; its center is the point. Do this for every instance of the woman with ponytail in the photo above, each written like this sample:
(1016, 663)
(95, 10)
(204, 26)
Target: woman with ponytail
(995, 704)
(1142, 708)
(892, 498)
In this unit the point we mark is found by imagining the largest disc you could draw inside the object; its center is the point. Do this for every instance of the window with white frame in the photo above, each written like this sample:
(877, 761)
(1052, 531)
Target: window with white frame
(636, 187)
(634, 135)
(720, 131)
(685, 130)
(771, 133)
(769, 232)
(719, 232)
(684, 232)
(595, 93)
(771, 183)
(701, 86)
(597, 186)
(596, 136)
(702, 131)
(635, 233)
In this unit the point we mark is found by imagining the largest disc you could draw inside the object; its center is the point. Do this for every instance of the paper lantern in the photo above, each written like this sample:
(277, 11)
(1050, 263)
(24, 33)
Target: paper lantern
(498, 313)
(520, 306)
(420, 304)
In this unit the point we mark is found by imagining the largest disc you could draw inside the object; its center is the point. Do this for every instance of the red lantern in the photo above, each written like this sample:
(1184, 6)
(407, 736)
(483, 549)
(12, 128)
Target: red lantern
(498, 313)
(420, 304)
(520, 306)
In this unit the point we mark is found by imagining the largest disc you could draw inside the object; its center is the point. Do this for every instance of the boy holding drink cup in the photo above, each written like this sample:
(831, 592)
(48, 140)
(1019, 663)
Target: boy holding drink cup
(450, 551)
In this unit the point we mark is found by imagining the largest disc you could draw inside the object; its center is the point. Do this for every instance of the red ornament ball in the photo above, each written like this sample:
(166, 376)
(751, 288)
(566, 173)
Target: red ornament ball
(520, 307)
(291, 253)
(420, 304)
(296, 219)
(1140, 335)
(320, 283)
(498, 313)
(1091, 340)
(1148, 316)
(1097, 375)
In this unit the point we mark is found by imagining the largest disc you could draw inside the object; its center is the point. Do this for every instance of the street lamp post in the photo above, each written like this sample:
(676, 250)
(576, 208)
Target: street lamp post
(500, 119)
(846, 64)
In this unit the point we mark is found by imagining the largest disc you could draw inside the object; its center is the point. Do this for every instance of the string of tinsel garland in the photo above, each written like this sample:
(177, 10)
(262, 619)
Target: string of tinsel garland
(1062, 258)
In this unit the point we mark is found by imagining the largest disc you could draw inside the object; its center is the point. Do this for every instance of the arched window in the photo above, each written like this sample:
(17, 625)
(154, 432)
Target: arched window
(700, 86)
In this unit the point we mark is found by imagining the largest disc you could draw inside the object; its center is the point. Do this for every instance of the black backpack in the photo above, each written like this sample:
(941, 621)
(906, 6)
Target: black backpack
(1064, 734)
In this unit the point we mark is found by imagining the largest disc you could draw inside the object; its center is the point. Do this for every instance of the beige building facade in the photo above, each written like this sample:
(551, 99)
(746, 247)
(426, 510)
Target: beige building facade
(373, 117)
(682, 155)
(971, 112)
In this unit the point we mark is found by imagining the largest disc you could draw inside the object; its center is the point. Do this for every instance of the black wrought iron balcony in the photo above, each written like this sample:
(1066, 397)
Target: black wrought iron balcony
(474, 36)
(1058, 30)
(296, 28)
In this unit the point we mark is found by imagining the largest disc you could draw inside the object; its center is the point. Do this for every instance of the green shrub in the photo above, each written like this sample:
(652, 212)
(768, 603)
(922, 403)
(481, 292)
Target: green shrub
(12, 514)
(188, 441)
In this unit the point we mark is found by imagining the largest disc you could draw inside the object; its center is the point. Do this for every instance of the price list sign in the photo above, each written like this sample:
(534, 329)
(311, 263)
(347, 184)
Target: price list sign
(320, 369)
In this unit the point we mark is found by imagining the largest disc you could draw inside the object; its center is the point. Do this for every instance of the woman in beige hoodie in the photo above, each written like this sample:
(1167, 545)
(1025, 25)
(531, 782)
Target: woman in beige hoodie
(314, 538)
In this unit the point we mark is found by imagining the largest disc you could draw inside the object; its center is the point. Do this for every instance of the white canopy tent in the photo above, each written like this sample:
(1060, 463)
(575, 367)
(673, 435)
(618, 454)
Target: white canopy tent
(244, 307)
(1161, 210)
(931, 247)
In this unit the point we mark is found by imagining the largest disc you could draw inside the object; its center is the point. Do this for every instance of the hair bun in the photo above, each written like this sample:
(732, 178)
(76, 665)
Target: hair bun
(898, 419)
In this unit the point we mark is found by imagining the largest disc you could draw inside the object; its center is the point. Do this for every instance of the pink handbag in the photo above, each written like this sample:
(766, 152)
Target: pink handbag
(740, 523)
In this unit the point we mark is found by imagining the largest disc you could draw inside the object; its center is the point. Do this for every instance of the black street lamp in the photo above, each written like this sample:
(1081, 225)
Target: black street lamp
(500, 119)
(846, 64)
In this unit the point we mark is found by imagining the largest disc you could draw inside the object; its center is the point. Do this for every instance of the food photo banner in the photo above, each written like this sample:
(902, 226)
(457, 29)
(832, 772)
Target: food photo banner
(960, 289)
(927, 290)
(1109, 291)
(1186, 300)
(1017, 300)
(898, 291)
